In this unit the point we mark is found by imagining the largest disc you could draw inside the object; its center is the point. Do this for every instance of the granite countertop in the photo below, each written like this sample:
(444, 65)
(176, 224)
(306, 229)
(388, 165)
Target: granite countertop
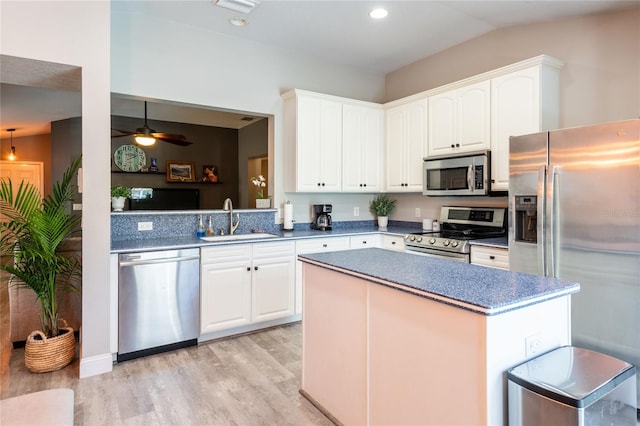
(483, 290)
(128, 246)
(500, 242)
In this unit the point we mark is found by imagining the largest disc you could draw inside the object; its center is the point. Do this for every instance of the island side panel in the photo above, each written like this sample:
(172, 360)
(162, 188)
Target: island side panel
(427, 361)
(334, 332)
(543, 327)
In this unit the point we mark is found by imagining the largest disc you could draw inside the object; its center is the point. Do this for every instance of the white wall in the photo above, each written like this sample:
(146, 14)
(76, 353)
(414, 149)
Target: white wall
(600, 81)
(77, 33)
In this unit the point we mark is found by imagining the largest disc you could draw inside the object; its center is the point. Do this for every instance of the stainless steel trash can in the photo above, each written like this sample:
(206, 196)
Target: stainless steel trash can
(572, 386)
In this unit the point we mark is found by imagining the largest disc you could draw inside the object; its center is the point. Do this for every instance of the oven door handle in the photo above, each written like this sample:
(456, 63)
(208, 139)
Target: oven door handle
(459, 257)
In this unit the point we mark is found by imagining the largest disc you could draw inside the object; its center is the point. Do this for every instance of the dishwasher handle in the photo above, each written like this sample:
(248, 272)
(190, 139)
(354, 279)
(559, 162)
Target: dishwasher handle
(135, 260)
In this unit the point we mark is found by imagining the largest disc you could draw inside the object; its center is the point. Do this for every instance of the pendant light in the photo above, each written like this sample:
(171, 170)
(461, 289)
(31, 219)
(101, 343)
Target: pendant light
(12, 153)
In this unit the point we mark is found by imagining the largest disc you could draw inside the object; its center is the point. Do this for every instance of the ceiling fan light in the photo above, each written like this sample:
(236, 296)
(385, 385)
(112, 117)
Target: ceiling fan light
(145, 140)
(243, 6)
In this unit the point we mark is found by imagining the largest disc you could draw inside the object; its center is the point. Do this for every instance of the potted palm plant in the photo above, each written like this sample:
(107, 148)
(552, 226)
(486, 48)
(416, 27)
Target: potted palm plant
(119, 195)
(31, 235)
(382, 206)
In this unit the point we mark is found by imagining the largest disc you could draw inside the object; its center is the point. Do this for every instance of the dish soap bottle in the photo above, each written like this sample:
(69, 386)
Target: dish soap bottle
(210, 230)
(200, 231)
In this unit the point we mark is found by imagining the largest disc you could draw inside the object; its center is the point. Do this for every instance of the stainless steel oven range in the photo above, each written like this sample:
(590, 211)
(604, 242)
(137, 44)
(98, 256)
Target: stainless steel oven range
(459, 225)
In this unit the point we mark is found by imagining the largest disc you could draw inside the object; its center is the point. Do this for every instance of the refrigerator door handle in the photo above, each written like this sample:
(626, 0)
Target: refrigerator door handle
(553, 221)
(540, 225)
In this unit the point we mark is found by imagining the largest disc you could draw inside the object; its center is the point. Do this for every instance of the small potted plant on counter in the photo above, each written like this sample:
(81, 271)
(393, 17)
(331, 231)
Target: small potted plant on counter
(382, 206)
(118, 196)
(262, 199)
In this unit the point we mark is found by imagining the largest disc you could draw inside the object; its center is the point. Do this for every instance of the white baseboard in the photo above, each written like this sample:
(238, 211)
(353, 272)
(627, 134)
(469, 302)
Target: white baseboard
(95, 365)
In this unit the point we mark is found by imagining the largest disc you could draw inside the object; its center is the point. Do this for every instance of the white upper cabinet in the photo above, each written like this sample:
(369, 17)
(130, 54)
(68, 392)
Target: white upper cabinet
(362, 136)
(313, 143)
(333, 144)
(524, 101)
(405, 146)
(459, 120)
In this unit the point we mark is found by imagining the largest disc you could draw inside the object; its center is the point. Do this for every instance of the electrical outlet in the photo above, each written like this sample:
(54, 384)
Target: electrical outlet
(77, 206)
(417, 211)
(533, 344)
(356, 211)
(145, 226)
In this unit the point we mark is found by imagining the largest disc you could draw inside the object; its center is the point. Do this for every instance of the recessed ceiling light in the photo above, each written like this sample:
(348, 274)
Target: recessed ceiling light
(238, 22)
(378, 13)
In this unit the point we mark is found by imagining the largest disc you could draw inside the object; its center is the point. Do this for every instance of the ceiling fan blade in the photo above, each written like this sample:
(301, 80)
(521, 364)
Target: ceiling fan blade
(160, 135)
(181, 142)
(122, 133)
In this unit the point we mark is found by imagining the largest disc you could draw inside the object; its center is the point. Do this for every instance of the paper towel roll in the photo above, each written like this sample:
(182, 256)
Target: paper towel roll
(288, 216)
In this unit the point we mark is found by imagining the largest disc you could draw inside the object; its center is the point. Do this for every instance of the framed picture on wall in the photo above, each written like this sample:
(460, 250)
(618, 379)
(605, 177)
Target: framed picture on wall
(180, 171)
(210, 173)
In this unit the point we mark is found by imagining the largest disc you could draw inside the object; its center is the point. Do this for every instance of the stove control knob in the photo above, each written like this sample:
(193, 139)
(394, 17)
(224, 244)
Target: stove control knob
(446, 243)
(454, 244)
(418, 239)
(432, 240)
(411, 237)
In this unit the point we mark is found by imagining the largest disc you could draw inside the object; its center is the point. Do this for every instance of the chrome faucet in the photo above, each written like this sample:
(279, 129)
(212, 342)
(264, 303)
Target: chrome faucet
(228, 206)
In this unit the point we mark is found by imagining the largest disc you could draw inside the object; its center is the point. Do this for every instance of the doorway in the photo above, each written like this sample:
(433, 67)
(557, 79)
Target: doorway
(257, 166)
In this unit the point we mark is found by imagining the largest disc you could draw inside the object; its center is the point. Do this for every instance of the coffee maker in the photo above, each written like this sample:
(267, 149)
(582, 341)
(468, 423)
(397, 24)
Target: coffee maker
(322, 218)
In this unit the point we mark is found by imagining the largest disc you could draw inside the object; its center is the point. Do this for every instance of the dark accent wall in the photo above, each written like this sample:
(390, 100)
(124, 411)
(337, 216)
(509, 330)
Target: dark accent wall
(210, 146)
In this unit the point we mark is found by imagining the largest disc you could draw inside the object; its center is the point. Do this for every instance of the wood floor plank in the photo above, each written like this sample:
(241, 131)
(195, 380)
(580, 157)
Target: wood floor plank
(247, 380)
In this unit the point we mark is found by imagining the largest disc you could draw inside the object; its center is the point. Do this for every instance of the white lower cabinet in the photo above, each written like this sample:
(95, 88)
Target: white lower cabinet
(493, 257)
(243, 284)
(272, 281)
(315, 245)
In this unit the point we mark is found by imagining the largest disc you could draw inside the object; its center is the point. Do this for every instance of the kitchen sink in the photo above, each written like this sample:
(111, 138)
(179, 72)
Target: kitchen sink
(252, 236)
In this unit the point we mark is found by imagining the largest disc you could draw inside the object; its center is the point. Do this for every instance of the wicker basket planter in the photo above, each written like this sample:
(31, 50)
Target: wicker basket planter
(42, 354)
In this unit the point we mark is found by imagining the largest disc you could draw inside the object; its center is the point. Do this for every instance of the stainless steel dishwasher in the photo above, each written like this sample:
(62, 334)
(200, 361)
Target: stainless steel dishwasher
(158, 301)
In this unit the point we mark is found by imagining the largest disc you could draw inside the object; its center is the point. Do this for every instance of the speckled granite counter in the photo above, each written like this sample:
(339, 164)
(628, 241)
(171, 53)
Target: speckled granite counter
(483, 290)
(500, 242)
(176, 242)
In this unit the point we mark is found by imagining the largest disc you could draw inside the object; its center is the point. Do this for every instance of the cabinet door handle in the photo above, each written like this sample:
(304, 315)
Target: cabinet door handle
(452, 146)
(324, 245)
(457, 145)
(248, 268)
(393, 243)
(492, 257)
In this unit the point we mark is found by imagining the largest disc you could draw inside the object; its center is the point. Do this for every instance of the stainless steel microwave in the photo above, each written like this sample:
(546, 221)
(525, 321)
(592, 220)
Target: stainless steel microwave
(464, 174)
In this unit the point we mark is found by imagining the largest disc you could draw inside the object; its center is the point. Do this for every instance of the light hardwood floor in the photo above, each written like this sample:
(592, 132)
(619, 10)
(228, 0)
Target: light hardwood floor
(247, 380)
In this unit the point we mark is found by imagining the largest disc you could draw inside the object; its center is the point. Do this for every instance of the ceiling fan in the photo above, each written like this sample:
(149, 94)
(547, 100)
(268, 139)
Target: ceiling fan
(147, 136)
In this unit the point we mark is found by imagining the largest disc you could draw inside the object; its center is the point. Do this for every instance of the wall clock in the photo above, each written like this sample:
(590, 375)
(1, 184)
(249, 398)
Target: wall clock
(129, 158)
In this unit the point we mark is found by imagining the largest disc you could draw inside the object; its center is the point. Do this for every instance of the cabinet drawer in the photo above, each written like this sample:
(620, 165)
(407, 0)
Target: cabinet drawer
(318, 245)
(225, 253)
(393, 242)
(274, 249)
(365, 241)
(490, 256)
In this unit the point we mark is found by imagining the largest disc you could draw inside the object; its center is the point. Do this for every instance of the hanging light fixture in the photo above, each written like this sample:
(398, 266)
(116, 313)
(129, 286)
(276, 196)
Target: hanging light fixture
(144, 135)
(12, 153)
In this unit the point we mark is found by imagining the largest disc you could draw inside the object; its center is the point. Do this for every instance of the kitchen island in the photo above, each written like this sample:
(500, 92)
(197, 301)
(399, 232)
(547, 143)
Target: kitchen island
(396, 338)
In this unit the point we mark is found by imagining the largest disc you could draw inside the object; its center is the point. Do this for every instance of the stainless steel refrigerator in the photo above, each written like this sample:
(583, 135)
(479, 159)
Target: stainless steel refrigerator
(574, 203)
